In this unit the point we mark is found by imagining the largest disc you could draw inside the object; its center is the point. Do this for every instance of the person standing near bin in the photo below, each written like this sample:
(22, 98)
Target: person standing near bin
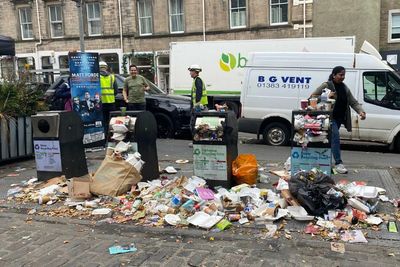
(109, 89)
(134, 90)
(199, 99)
(341, 112)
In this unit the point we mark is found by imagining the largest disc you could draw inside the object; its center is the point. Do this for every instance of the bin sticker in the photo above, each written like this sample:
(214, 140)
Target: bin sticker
(309, 158)
(47, 155)
(209, 162)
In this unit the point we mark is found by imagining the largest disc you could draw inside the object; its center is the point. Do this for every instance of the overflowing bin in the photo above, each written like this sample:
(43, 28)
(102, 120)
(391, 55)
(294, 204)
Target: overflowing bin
(58, 145)
(215, 137)
(141, 134)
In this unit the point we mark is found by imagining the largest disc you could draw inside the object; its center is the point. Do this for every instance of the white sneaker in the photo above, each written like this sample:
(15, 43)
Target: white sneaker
(190, 144)
(340, 168)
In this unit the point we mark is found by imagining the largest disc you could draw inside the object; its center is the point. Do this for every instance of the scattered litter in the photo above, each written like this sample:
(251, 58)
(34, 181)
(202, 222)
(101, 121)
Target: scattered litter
(204, 220)
(263, 178)
(13, 191)
(311, 229)
(32, 211)
(243, 220)
(392, 227)
(181, 161)
(172, 219)
(353, 236)
(299, 213)
(12, 174)
(373, 220)
(102, 211)
(383, 198)
(338, 247)
(224, 224)
(122, 249)
(19, 169)
(170, 170)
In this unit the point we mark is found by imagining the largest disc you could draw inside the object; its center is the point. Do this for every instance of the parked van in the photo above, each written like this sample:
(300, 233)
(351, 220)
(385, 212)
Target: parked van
(275, 84)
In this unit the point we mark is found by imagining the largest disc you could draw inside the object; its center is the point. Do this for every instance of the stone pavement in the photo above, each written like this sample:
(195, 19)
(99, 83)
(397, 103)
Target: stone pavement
(46, 241)
(27, 241)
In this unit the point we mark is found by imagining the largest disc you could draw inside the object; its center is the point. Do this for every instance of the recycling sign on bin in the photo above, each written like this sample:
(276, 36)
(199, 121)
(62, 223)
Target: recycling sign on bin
(309, 158)
(209, 162)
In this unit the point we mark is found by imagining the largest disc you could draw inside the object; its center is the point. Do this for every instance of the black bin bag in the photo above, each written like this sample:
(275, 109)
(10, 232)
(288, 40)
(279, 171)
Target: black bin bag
(310, 189)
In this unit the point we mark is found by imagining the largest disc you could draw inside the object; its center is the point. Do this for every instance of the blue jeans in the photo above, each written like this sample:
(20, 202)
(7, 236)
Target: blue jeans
(335, 141)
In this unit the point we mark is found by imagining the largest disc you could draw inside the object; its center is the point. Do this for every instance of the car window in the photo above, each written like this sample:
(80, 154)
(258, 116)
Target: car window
(154, 90)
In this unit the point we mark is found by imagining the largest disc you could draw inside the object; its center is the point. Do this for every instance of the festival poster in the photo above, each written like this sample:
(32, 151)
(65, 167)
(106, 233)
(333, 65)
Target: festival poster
(86, 95)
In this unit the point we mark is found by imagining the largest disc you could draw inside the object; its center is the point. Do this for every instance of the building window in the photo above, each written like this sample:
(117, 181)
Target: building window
(145, 17)
(279, 12)
(176, 16)
(394, 25)
(25, 20)
(238, 13)
(112, 61)
(56, 22)
(93, 18)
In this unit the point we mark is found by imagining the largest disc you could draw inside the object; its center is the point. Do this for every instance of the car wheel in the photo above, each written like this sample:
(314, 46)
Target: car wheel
(165, 126)
(276, 134)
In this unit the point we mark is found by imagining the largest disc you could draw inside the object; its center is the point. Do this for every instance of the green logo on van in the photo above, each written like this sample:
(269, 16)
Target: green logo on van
(228, 61)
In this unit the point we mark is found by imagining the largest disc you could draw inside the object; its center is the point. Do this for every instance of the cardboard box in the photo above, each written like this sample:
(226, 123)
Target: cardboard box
(79, 188)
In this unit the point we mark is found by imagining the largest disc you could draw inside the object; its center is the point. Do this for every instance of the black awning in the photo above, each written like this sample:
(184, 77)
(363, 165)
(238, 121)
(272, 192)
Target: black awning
(7, 46)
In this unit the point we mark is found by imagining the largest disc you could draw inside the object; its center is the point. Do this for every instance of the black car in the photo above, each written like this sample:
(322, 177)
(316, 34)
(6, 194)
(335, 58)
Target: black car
(172, 113)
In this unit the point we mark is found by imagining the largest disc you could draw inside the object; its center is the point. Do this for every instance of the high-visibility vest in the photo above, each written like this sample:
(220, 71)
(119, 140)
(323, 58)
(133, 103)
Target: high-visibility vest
(203, 100)
(107, 89)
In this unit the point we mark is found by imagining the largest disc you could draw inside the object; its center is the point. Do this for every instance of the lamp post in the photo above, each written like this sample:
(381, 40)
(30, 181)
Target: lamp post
(79, 4)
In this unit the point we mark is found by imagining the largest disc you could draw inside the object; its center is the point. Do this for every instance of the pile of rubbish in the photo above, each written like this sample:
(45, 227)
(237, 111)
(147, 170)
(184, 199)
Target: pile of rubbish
(335, 211)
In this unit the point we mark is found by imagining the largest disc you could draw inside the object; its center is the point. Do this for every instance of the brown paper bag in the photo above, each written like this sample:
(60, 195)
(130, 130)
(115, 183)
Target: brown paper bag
(114, 177)
(79, 187)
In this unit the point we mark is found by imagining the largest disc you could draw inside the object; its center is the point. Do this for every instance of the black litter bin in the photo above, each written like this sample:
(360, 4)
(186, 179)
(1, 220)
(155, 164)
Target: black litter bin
(143, 137)
(58, 146)
(215, 137)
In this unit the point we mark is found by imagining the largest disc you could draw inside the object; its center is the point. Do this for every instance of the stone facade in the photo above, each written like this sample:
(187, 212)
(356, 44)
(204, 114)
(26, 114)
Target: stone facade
(217, 25)
(386, 6)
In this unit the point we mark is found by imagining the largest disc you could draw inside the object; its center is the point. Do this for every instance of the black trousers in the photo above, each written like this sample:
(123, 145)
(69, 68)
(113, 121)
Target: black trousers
(136, 106)
(107, 108)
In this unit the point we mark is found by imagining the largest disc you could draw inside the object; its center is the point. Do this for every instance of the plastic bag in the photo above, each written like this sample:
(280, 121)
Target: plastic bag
(311, 191)
(245, 169)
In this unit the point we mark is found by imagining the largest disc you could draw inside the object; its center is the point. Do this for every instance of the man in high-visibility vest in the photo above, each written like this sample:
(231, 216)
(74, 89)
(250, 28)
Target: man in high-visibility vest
(199, 99)
(199, 93)
(109, 89)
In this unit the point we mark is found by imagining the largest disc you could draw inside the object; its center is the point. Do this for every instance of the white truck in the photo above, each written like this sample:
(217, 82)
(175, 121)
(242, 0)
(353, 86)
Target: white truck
(223, 62)
(276, 83)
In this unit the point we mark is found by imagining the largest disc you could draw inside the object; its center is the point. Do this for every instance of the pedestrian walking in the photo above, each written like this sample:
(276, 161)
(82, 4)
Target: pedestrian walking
(134, 90)
(341, 114)
(109, 89)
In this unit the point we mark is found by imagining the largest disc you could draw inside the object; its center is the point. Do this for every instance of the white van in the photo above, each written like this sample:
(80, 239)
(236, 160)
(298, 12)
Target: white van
(275, 83)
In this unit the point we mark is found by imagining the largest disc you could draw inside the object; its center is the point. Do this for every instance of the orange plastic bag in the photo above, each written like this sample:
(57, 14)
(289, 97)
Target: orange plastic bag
(245, 169)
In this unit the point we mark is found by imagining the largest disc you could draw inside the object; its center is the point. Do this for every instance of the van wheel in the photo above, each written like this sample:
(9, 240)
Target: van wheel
(397, 144)
(276, 134)
(165, 126)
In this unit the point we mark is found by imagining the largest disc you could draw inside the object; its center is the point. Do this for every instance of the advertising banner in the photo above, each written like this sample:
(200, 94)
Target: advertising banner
(86, 95)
